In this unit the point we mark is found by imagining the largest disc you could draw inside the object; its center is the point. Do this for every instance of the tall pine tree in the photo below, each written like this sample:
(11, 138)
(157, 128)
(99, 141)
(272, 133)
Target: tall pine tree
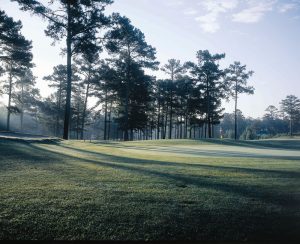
(77, 22)
(131, 53)
(16, 57)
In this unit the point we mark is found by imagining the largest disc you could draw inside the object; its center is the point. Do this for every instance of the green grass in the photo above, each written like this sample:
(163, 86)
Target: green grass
(151, 190)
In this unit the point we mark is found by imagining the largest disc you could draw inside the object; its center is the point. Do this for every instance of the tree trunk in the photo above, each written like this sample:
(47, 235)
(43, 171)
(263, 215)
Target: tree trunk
(158, 121)
(162, 126)
(9, 99)
(180, 126)
(208, 109)
(105, 116)
(186, 127)
(170, 124)
(131, 135)
(109, 121)
(171, 112)
(126, 136)
(58, 109)
(69, 75)
(85, 106)
(77, 122)
(22, 106)
(166, 123)
(291, 124)
(235, 113)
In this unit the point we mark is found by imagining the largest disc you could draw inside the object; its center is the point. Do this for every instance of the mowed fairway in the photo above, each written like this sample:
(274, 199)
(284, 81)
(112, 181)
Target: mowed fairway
(151, 190)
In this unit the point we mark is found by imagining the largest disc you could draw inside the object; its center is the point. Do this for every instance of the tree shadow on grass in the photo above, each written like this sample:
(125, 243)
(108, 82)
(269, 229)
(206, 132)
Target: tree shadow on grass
(193, 222)
(206, 153)
(184, 180)
(274, 173)
(281, 144)
(12, 149)
(260, 144)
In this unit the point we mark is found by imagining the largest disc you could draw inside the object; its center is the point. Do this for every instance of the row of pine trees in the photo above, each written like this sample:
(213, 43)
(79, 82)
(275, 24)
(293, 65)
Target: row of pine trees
(133, 103)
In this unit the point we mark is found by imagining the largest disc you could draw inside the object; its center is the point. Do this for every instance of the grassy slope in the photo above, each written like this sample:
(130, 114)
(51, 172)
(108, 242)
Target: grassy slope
(150, 190)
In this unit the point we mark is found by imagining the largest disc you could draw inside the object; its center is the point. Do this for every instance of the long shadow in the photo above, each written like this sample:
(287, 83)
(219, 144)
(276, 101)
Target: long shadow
(259, 144)
(186, 180)
(211, 153)
(262, 144)
(19, 149)
(124, 163)
(31, 139)
(196, 221)
(128, 160)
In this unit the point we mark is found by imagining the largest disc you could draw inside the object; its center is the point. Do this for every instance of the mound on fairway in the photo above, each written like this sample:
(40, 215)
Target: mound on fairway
(158, 190)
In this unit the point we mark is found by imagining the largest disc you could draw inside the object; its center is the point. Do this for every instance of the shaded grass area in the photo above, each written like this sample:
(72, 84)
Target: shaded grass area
(91, 191)
(275, 143)
(279, 143)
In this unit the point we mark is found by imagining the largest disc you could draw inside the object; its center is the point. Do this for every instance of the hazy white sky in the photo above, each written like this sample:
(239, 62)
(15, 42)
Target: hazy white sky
(263, 34)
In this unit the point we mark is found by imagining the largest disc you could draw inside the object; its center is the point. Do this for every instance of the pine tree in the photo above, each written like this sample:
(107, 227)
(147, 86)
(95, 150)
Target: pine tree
(131, 53)
(237, 77)
(58, 81)
(76, 21)
(173, 68)
(208, 78)
(27, 96)
(88, 66)
(291, 106)
(16, 57)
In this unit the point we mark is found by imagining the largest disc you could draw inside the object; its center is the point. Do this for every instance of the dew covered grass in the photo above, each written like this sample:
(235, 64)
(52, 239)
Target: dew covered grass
(150, 190)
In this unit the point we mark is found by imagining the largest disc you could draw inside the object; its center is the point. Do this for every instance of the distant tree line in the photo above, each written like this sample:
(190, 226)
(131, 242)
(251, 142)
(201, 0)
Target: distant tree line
(130, 103)
(275, 122)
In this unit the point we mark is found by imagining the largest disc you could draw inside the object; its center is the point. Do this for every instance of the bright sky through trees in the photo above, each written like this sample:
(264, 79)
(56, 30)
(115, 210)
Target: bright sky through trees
(263, 34)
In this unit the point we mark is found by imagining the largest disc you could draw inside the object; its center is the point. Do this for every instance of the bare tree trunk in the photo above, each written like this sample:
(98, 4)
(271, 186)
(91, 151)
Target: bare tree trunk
(166, 123)
(170, 124)
(22, 106)
(162, 126)
(208, 109)
(131, 135)
(105, 116)
(69, 75)
(109, 120)
(78, 121)
(180, 126)
(158, 121)
(58, 109)
(9, 99)
(85, 106)
(291, 124)
(186, 127)
(235, 113)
